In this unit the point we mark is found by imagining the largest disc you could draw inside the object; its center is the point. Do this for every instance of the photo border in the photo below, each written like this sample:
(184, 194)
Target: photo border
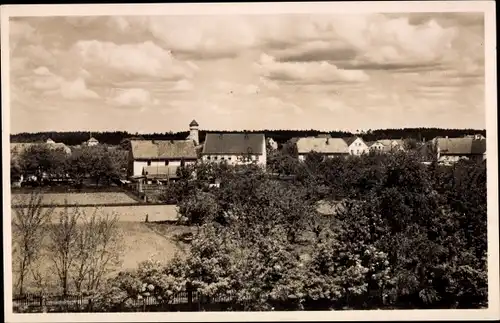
(486, 7)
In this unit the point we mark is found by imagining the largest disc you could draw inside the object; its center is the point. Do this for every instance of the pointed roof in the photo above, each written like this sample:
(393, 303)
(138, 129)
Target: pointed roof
(350, 140)
(194, 123)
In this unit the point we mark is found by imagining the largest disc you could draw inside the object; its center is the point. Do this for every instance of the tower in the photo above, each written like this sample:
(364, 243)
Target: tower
(193, 132)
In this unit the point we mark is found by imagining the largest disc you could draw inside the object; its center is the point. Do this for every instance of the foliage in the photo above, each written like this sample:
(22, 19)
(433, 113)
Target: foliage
(407, 235)
(42, 159)
(28, 228)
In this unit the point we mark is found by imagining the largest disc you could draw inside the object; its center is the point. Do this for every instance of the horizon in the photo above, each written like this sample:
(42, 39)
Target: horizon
(252, 130)
(145, 74)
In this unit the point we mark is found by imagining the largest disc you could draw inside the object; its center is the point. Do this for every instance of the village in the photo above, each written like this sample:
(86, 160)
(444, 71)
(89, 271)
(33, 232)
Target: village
(157, 161)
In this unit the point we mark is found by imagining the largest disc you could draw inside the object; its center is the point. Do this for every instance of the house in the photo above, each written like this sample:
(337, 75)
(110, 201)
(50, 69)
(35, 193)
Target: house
(356, 145)
(157, 153)
(235, 148)
(92, 142)
(375, 146)
(392, 144)
(451, 150)
(329, 147)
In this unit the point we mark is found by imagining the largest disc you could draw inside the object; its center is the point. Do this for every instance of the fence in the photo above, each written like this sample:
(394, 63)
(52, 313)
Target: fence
(189, 301)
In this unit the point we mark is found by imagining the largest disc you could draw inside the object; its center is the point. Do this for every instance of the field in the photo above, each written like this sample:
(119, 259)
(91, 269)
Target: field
(100, 198)
(140, 241)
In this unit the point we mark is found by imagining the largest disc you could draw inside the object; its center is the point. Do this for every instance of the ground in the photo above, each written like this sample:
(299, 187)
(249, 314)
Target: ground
(141, 241)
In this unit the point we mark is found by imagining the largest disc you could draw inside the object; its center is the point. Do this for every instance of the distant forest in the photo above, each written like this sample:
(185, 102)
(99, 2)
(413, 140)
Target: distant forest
(281, 136)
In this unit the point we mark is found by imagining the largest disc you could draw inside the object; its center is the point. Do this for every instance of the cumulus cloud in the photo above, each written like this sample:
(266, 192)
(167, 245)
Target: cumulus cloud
(48, 83)
(307, 72)
(133, 98)
(144, 59)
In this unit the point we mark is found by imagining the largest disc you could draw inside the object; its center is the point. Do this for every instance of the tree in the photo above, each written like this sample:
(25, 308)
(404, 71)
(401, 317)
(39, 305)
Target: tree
(85, 248)
(64, 237)
(41, 159)
(98, 250)
(96, 162)
(29, 224)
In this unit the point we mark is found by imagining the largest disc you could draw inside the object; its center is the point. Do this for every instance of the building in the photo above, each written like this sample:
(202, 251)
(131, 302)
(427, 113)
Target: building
(375, 146)
(329, 147)
(146, 155)
(235, 148)
(92, 142)
(451, 150)
(391, 145)
(194, 132)
(356, 145)
(17, 149)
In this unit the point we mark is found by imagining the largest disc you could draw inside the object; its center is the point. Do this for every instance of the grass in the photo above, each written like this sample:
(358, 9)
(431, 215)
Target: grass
(140, 241)
(78, 198)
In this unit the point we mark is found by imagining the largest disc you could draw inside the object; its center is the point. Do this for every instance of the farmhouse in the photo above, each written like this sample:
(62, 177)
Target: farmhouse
(356, 145)
(149, 157)
(375, 146)
(328, 147)
(451, 150)
(235, 148)
(392, 144)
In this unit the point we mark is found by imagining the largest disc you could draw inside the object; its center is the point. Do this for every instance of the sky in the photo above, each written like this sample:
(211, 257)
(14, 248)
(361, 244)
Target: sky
(325, 72)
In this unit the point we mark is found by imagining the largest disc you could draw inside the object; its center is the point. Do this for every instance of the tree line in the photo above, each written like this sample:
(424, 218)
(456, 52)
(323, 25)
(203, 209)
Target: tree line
(99, 163)
(117, 137)
(401, 235)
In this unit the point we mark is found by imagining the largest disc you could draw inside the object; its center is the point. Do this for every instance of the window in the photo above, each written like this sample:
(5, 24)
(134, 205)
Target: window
(149, 163)
(215, 157)
(208, 157)
(222, 158)
(357, 151)
(166, 162)
(228, 158)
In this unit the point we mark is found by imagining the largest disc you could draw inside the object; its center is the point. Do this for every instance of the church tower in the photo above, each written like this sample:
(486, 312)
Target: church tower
(193, 132)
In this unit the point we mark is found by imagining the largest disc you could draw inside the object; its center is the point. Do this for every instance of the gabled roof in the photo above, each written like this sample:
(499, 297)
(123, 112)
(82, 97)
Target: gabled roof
(324, 135)
(194, 124)
(350, 140)
(163, 149)
(461, 146)
(389, 142)
(92, 140)
(234, 143)
(322, 145)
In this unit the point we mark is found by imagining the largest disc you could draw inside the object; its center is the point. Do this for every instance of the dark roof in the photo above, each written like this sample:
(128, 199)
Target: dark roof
(461, 146)
(350, 140)
(163, 149)
(234, 143)
(194, 124)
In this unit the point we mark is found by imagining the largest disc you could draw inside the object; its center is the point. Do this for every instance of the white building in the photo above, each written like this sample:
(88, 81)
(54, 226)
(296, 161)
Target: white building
(235, 148)
(149, 156)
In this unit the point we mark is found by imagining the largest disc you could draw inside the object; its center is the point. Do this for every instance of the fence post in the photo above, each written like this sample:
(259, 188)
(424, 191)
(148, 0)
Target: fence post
(89, 307)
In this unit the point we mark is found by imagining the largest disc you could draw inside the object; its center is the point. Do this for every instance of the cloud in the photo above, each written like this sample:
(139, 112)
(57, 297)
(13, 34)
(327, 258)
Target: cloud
(133, 98)
(182, 86)
(142, 59)
(48, 83)
(307, 72)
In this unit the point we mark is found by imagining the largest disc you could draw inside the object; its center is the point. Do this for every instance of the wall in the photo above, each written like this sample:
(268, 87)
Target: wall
(140, 164)
(358, 147)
